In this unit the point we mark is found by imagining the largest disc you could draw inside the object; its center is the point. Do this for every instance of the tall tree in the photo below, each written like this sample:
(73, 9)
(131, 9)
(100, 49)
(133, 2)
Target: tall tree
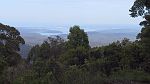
(10, 41)
(144, 37)
(142, 8)
(77, 37)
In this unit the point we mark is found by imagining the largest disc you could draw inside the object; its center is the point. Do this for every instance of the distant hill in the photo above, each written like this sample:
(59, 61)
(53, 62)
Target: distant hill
(104, 37)
(96, 38)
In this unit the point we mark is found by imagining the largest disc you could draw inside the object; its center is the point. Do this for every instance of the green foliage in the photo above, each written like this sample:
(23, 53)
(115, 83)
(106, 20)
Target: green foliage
(140, 8)
(76, 75)
(44, 59)
(131, 57)
(77, 37)
(96, 53)
(50, 49)
(75, 56)
(144, 38)
(10, 37)
(129, 75)
(10, 41)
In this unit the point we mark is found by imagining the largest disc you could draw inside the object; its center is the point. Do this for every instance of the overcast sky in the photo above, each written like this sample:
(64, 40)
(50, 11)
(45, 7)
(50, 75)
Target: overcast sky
(65, 12)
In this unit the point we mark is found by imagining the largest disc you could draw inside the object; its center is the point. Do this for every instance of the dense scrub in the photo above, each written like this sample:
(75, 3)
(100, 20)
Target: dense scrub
(74, 62)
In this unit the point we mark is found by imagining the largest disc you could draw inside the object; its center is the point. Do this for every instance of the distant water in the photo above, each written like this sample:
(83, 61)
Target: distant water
(49, 34)
(107, 29)
(47, 31)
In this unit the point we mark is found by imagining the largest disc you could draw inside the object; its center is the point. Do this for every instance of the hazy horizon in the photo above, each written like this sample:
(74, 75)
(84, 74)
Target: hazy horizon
(58, 30)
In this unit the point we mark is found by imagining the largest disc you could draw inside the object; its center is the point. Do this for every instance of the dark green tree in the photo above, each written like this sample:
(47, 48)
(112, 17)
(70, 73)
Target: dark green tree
(77, 37)
(144, 38)
(142, 8)
(10, 41)
(78, 46)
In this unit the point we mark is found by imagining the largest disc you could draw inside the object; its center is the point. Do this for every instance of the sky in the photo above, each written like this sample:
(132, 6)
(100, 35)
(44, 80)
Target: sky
(45, 13)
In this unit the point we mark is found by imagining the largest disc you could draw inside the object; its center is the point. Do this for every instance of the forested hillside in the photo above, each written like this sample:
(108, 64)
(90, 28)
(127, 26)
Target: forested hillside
(57, 61)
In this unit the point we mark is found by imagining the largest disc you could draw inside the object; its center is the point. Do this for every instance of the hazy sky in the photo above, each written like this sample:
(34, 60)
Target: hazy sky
(65, 12)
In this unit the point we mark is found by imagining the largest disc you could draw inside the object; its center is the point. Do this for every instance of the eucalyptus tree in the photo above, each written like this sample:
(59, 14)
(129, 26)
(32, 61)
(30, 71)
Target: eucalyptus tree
(10, 40)
(142, 8)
